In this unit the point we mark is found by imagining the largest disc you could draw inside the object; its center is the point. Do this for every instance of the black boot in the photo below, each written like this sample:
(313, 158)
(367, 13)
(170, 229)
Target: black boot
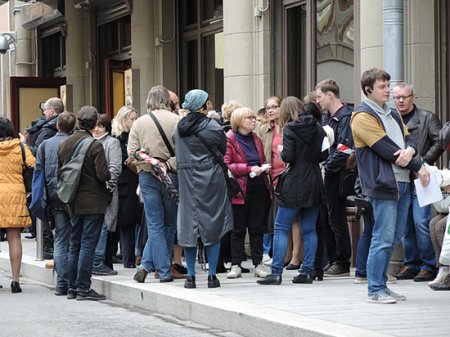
(317, 273)
(270, 280)
(213, 282)
(189, 283)
(303, 278)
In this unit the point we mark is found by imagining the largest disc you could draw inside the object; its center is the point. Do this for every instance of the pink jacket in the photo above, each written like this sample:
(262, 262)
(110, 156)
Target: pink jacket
(237, 163)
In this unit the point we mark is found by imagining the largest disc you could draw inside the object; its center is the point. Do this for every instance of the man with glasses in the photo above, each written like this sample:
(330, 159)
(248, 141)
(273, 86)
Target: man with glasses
(424, 126)
(328, 97)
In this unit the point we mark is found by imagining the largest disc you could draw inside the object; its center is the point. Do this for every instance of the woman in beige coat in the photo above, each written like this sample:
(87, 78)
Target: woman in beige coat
(13, 201)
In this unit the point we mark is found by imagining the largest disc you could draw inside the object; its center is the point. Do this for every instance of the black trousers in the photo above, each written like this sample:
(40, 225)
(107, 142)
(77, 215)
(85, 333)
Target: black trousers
(252, 216)
(337, 218)
(127, 245)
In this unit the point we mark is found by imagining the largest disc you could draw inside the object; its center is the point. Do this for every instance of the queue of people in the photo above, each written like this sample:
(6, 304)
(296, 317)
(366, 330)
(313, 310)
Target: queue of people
(179, 178)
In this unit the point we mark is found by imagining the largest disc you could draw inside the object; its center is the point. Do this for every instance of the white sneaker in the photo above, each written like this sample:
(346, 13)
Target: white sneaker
(398, 297)
(391, 279)
(235, 272)
(443, 272)
(267, 260)
(261, 271)
(381, 297)
(360, 280)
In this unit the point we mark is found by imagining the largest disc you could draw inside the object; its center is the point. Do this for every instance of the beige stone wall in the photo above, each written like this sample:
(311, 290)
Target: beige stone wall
(420, 66)
(246, 53)
(371, 32)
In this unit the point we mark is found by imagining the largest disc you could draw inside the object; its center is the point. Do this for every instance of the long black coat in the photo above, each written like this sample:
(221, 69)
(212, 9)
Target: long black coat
(130, 210)
(204, 209)
(302, 149)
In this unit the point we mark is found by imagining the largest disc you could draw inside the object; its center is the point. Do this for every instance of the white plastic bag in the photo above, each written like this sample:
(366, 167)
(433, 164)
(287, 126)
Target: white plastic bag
(445, 252)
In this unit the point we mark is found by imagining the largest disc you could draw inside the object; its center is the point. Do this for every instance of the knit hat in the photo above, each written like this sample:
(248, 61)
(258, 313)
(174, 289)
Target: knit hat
(87, 116)
(195, 99)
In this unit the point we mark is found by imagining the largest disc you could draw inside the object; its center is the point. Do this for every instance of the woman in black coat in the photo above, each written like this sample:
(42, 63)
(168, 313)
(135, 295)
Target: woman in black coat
(130, 210)
(301, 195)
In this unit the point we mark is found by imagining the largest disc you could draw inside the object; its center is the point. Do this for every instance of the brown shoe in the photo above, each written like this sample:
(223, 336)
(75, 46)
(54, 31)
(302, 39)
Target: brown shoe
(176, 274)
(49, 264)
(406, 273)
(424, 276)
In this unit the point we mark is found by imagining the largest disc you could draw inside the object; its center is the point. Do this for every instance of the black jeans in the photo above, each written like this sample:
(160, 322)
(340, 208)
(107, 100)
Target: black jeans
(251, 215)
(338, 219)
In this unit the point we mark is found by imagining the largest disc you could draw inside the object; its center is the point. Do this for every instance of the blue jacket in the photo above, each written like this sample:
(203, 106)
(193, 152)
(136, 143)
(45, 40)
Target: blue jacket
(375, 152)
(47, 158)
(340, 123)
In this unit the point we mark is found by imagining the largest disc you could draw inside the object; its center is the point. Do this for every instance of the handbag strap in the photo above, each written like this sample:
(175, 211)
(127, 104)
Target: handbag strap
(24, 158)
(218, 161)
(163, 134)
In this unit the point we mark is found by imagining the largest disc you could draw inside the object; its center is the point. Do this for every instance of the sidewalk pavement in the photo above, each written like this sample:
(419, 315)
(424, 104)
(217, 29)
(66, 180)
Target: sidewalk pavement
(333, 307)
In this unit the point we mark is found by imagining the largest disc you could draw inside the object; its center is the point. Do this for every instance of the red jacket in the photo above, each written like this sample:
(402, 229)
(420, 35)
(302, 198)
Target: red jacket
(237, 163)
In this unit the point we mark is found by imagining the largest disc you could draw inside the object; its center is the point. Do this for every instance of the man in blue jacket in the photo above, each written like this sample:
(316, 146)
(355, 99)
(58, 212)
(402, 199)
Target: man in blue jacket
(47, 158)
(385, 156)
(328, 95)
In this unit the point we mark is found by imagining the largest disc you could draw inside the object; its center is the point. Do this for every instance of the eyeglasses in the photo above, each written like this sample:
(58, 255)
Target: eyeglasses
(251, 117)
(272, 107)
(402, 98)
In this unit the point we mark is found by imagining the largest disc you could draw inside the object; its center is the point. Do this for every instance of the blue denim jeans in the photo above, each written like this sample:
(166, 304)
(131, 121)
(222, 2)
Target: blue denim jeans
(419, 252)
(161, 216)
(267, 243)
(389, 227)
(61, 250)
(99, 257)
(283, 225)
(362, 250)
(83, 240)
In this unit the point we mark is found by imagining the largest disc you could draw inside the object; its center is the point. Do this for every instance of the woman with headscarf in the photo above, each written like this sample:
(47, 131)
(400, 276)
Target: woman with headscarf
(13, 200)
(204, 209)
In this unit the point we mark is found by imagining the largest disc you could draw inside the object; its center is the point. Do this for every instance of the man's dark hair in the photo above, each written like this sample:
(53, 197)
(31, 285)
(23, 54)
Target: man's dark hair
(105, 121)
(6, 128)
(369, 77)
(66, 122)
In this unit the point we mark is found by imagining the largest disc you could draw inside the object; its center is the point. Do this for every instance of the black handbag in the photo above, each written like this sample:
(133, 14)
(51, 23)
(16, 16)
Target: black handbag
(233, 186)
(27, 172)
(281, 178)
(347, 180)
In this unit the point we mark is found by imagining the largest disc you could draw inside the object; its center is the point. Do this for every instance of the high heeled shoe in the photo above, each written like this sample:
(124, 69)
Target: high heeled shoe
(317, 274)
(303, 278)
(15, 287)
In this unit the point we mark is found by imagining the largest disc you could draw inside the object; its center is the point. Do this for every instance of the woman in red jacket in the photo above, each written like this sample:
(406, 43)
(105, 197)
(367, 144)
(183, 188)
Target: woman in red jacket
(245, 159)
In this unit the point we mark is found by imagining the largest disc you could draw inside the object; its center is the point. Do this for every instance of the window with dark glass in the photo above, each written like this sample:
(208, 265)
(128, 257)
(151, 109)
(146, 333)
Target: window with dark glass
(53, 55)
(202, 47)
(335, 44)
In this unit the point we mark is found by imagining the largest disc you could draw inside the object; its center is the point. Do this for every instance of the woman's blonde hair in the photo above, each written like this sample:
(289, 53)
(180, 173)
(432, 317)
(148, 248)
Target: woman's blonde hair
(228, 108)
(118, 123)
(290, 108)
(238, 116)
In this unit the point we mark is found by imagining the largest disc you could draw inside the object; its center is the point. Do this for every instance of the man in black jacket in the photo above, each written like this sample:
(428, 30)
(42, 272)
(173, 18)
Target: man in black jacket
(40, 131)
(328, 97)
(424, 126)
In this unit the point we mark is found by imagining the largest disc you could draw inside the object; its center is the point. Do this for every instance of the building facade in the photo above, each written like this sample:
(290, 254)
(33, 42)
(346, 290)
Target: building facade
(109, 53)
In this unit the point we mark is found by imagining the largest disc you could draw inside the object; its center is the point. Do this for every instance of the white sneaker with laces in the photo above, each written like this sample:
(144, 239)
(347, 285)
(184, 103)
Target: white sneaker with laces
(398, 297)
(381, 297)
(261, 271)
(235, 272)
(266, 258)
